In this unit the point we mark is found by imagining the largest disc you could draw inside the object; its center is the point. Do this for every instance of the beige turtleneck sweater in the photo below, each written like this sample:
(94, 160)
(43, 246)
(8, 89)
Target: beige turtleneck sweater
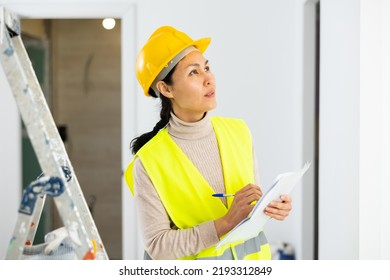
(163, 240)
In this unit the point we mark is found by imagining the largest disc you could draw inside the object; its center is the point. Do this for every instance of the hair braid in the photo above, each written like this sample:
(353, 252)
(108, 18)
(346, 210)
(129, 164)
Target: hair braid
(165, 114)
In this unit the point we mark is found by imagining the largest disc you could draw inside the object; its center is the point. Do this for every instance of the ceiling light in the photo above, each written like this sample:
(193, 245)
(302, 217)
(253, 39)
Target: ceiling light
(108, 23)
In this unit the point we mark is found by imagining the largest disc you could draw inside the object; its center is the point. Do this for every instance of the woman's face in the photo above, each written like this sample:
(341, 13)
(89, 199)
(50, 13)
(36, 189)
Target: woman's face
(192, 92)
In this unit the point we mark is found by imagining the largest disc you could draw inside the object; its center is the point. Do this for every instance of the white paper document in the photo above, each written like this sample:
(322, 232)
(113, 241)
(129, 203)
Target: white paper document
(251, 226)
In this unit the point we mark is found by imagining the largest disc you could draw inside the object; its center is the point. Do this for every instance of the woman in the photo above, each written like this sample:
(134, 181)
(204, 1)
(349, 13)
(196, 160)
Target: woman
(189, 156)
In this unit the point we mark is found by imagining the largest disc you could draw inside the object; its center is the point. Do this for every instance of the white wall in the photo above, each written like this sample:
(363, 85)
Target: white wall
(385, 133)
(354, 123)
(374, 130)
(339, 130)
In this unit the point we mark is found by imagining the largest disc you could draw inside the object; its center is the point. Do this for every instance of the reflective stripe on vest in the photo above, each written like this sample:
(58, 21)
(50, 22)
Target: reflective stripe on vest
(246, 250)
(243, 250)
(180, 185)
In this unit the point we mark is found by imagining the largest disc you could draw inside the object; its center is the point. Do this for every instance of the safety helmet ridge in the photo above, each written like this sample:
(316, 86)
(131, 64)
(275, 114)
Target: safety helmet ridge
(161, 48)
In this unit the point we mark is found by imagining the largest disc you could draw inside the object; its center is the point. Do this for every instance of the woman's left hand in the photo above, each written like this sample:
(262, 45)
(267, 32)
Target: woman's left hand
(279, 210)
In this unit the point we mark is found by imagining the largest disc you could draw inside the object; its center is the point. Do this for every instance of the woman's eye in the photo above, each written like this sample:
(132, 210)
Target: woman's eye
(194, 72)
(207, 68)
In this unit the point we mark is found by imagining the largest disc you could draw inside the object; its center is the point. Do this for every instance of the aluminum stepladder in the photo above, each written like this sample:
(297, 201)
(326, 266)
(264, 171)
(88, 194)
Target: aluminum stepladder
(58, 180)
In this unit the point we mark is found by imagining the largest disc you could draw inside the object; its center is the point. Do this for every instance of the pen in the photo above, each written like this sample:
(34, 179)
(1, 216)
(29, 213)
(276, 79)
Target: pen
(222, 194)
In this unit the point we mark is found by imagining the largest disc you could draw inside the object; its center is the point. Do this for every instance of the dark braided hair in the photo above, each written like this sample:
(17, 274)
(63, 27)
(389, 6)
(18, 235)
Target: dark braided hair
(165, 115)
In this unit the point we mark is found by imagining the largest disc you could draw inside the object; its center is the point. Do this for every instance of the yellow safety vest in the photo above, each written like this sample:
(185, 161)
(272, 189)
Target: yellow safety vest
(187, 196)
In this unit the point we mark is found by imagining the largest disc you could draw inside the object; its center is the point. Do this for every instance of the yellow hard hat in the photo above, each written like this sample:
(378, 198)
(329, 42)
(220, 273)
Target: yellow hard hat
(162, 47)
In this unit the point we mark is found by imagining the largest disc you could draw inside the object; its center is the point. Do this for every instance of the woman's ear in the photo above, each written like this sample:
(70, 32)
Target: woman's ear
(164, 89)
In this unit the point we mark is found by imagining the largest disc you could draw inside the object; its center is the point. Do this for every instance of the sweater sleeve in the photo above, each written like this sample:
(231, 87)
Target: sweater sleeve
(162, 239)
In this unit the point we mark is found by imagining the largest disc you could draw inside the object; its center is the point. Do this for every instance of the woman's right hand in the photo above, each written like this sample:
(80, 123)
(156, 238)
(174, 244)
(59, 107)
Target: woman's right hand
(241, 206)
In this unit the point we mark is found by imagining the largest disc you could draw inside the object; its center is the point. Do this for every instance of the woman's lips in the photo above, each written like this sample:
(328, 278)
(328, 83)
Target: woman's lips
(210, 94)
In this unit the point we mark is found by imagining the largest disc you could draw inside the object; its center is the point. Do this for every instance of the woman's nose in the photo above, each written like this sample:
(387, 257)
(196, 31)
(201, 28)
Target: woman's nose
(209, 78)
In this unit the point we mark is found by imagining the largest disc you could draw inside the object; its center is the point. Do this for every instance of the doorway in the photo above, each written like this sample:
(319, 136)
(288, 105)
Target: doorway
(84, 95)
